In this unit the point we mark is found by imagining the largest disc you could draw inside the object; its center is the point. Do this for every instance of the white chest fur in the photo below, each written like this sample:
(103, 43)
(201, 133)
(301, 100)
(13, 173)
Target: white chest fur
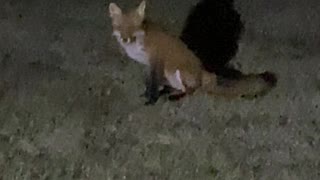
(135, 50)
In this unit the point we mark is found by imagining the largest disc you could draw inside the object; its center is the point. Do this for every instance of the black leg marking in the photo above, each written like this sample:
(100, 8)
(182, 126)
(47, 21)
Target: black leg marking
(152, 92)
(153, 84)
(166, 90)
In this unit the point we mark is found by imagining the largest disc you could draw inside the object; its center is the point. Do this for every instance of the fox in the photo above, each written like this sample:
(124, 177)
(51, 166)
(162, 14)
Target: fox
(173, 68)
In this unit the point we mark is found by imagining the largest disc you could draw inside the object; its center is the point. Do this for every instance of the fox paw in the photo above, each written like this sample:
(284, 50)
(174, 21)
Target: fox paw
(165, 90)
(152, 98)
(151, 101)
(176, 97)
(147, 103)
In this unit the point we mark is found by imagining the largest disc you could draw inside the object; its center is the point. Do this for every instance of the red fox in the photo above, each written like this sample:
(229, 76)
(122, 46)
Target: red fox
(172, 65)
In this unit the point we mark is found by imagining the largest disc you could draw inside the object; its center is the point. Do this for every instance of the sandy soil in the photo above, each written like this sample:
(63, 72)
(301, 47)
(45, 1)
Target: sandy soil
(70, 105)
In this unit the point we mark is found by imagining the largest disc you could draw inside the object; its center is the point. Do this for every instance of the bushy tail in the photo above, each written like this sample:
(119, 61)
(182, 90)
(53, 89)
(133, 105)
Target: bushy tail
(248, 86)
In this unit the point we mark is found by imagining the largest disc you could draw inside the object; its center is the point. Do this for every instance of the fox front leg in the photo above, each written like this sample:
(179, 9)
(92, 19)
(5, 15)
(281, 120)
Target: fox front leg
(153, 83)
(166, 89)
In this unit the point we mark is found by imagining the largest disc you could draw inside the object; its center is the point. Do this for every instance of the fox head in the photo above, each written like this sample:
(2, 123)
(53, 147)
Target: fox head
(127, 26)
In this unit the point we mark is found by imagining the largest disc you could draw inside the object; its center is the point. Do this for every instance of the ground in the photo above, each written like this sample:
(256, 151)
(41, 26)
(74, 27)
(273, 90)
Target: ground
(70, 105)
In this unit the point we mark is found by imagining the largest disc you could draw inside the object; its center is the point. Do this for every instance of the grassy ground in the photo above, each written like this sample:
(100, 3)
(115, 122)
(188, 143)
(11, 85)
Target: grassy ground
(70, 105)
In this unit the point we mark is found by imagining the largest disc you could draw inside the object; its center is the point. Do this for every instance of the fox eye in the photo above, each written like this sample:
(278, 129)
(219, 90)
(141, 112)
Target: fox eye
(128, 40)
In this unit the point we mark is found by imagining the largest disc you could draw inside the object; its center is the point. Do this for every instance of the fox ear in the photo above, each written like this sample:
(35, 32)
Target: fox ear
(141, 9)
(114, 10)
